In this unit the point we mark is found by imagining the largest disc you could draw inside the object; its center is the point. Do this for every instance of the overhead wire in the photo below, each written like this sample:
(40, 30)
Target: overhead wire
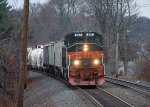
(144, 5)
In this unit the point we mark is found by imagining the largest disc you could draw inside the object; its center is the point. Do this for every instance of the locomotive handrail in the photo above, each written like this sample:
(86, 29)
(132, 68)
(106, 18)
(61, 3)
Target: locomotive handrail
(82, 43)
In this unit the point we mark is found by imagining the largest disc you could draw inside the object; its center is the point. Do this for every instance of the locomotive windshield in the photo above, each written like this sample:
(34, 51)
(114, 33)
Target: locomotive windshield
(83, 37)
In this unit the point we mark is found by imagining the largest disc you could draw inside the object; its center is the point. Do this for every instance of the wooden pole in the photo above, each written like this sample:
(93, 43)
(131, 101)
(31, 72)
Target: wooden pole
(23, 56)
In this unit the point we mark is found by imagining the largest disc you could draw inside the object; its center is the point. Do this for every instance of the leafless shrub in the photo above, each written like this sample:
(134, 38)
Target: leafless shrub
(144, 61)
(145, 70)
(8, 76)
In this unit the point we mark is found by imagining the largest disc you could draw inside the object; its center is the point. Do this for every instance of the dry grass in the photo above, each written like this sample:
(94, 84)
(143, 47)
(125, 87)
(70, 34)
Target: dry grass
(6, 102)
(128, 77)
(145, 71)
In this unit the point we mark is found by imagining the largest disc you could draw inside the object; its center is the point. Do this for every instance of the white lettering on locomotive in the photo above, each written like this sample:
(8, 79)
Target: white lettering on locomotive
(89, 34)
(78, 34)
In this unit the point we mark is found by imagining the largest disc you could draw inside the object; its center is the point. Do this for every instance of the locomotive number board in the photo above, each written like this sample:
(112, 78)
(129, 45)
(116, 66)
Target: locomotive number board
(81, 34)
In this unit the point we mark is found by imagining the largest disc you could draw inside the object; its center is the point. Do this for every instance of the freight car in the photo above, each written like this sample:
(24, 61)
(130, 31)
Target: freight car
(35, 57)
(78, 58)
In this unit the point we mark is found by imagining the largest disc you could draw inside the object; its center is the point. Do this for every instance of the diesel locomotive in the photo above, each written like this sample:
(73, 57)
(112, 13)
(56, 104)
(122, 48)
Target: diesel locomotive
(78, 58)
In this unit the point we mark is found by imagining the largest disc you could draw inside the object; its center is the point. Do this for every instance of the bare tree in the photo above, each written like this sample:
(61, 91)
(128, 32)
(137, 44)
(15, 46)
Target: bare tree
(114, 17)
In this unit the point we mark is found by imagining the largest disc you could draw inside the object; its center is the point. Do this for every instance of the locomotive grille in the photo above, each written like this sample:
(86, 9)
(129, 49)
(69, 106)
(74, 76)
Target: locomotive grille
(86, 62)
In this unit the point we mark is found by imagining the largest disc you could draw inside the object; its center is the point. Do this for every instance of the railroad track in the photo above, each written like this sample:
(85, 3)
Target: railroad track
(138, 87)
(98, 96)
(96, 103)
(102, 98)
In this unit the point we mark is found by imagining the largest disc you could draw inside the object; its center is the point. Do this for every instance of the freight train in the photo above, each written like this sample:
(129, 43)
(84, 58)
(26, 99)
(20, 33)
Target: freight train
(78, 58)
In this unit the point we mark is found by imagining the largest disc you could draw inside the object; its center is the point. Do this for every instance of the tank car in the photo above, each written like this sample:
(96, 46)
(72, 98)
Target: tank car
(35, 58)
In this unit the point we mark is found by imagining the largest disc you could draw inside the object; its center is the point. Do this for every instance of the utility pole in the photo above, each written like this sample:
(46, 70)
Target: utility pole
(23, 55)
(117, 46)
(125, 53)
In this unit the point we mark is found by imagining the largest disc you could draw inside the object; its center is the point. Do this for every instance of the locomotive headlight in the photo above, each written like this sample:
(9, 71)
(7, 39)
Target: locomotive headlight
(96, 62)
(85, 48)
(76, 62)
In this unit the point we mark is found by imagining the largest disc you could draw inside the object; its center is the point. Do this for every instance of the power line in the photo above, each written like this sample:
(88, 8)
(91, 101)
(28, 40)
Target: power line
(145, 5)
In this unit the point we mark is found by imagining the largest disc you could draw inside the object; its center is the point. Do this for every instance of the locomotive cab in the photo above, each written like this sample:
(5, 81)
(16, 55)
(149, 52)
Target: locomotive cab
(85, 58)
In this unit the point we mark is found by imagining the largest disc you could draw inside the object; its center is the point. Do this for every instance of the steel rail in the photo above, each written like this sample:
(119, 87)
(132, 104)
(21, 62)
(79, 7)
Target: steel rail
(127, 83)
(141, 85)
(115, 97)
(90, 97)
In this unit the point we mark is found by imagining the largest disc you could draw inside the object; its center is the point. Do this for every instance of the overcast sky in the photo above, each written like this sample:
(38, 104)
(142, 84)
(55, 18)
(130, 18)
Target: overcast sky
(19, 3)
(143, 4)
(144, 7)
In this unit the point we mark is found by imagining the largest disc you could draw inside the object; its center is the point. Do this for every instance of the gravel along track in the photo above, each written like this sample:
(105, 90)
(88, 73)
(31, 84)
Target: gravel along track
(105, 99)
(127, 94)
(44, 91)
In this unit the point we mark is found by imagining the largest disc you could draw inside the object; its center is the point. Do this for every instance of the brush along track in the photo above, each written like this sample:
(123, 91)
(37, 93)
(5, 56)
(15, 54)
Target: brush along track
(140, 88)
